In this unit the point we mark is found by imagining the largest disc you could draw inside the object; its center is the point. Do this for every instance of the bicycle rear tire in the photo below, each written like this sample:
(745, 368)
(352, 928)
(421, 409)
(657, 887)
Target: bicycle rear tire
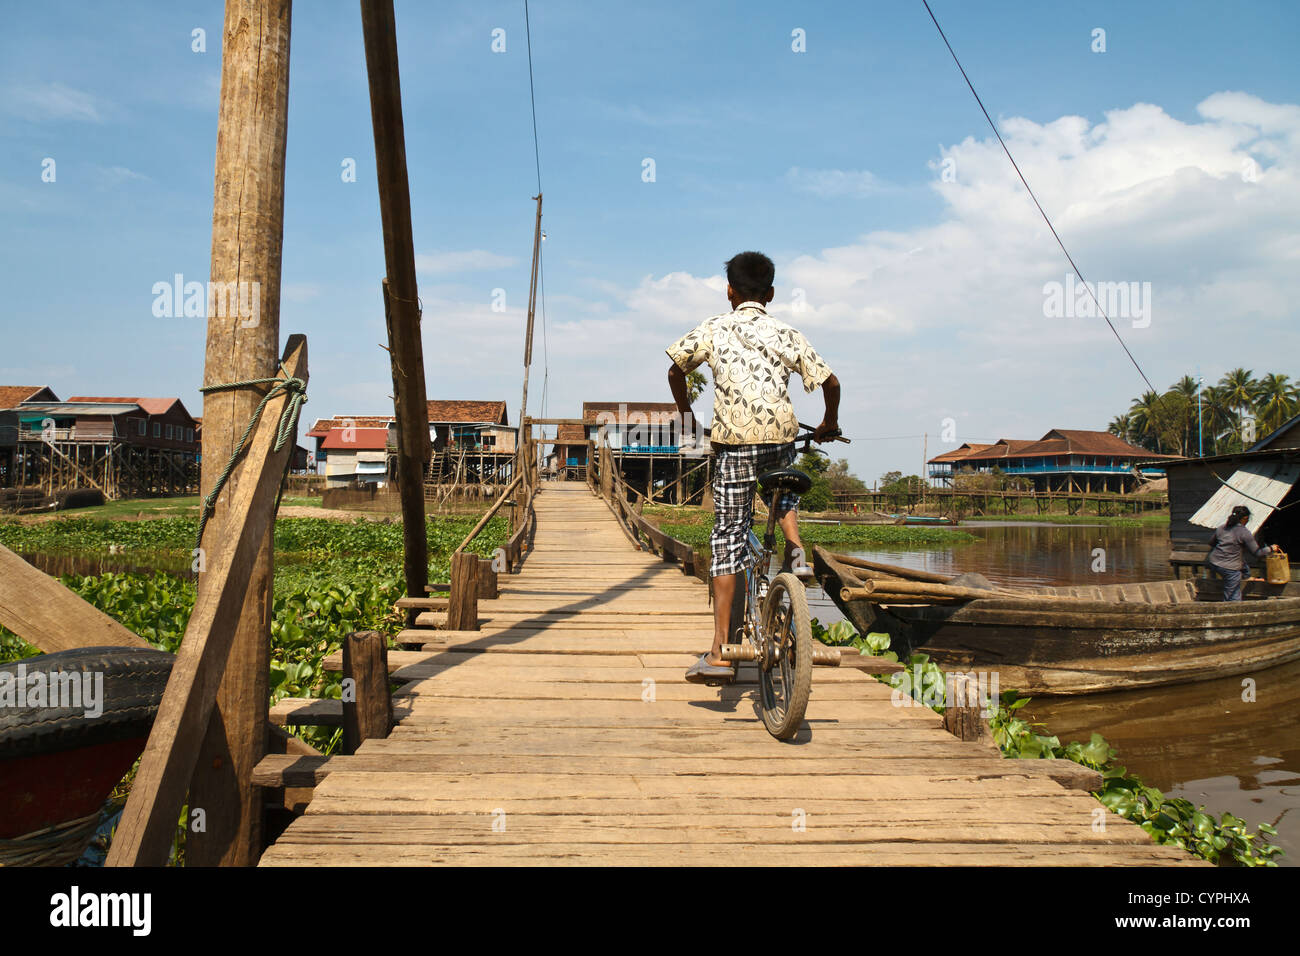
(784, 687)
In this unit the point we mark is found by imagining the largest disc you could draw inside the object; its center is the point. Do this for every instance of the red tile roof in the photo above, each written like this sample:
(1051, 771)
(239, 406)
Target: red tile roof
(453, 411)
(154, 406)
(1058, 441)
(11, 395)
(323, 425)
(359, 439)
(657, 413)
(961, 452)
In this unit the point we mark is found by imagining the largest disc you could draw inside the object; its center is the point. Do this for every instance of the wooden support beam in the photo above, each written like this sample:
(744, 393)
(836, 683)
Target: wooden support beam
(401, 294)
(367, 704)
(45, 614)
(247, 235)
(488, 589)
(307, 712)
(290, 770)
(462, 612)
(148, 825)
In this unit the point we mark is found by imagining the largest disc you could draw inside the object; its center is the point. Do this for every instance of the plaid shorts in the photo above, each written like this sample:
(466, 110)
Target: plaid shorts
(736, 469)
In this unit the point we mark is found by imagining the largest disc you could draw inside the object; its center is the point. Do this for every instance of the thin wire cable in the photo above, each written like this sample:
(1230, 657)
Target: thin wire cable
(537, 158)
(532, 98)
(1047, 220)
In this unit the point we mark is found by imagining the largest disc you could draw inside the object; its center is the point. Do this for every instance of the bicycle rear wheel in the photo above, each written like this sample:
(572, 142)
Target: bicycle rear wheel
(785, 677)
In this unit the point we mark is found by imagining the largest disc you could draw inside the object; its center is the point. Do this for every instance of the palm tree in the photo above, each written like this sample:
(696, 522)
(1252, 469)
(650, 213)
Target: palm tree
(1220, 418)
(1146, 420)
(1275, 401)
(1121, 425)
(1183, 392)
(1241, 389)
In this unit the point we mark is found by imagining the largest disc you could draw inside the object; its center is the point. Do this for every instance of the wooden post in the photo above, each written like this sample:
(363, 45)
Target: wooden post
(188, 723)
(962, 716)
(247, 232)
(367, 704)
(487, 580)
(532, 306)
(462, 610)
(401, 295)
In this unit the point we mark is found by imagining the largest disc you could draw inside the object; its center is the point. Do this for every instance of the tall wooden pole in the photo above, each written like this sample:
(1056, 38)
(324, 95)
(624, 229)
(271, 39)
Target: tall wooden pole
(247, 232)
(532, 310)
(401, 296)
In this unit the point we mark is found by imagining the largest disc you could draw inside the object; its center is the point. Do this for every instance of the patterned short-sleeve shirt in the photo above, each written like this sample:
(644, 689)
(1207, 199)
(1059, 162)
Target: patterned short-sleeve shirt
(751, 356)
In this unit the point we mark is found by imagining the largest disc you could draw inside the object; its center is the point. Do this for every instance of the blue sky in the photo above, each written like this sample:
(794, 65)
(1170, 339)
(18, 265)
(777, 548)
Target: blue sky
(925, 296)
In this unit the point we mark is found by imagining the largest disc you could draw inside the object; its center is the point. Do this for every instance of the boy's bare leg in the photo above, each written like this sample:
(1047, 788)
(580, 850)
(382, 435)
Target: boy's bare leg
(789, 521)
(724, 591)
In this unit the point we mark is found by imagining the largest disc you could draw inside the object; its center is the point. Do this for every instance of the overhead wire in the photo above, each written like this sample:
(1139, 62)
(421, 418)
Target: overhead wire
(537, 159)
(1043, 212)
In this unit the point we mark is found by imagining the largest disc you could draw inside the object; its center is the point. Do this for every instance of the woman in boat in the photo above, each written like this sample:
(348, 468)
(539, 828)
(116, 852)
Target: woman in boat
(1228, 551)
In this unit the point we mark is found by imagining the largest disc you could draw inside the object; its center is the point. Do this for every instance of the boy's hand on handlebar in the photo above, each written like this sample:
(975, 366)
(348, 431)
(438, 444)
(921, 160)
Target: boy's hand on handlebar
(825, 431)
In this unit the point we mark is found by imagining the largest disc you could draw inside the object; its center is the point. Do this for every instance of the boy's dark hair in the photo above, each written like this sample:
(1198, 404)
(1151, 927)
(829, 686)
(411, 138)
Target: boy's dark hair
(750, 274)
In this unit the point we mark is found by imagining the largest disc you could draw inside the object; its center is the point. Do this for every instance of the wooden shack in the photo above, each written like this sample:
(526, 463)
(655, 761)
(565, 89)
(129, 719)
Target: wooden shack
(1203, 491)
(123, 447)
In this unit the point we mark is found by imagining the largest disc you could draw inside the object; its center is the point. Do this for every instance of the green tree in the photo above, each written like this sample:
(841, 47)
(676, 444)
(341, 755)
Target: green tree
(1275, 402)
(1146, 420)
(818, 497)
(1122, 425)
(695, 383)
(842, 481)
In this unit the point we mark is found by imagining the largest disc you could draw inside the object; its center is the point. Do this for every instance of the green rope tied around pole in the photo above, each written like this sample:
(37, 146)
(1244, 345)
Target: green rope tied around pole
(296, 391)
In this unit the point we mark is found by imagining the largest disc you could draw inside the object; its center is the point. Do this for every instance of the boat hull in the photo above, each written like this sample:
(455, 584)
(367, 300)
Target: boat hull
(1064, 641)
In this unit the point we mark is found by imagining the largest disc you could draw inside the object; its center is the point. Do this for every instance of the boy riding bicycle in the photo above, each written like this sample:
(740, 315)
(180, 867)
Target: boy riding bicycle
(754, 426)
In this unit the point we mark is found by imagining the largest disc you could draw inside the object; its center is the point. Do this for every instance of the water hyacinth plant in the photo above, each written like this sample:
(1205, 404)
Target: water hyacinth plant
(1169, 820)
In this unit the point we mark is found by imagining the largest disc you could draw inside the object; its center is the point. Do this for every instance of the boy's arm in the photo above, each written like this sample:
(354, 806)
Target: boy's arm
(831, 420)
(681, 394)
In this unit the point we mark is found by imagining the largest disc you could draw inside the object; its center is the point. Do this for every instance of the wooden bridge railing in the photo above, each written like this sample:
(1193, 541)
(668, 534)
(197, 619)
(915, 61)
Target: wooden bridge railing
(609, 484)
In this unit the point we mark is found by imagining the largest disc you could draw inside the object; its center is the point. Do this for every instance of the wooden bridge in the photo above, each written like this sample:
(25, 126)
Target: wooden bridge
(563, 732)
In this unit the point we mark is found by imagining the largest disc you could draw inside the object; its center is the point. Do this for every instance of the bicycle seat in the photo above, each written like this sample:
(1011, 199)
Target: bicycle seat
(786, 479)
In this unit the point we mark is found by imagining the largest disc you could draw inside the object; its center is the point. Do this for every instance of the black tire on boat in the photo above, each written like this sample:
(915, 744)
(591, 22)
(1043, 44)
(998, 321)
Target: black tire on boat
(133, 681)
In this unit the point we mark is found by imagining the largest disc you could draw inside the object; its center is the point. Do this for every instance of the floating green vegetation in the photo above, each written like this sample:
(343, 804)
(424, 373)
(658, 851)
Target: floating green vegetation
(337, 577)
(1169, 820)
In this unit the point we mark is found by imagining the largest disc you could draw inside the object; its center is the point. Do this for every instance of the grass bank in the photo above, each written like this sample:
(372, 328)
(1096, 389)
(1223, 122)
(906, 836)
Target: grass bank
(1157, 519)
(693, 526)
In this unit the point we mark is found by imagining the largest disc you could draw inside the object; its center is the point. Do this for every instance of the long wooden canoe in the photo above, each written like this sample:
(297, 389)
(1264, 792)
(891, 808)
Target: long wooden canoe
(1068, 640)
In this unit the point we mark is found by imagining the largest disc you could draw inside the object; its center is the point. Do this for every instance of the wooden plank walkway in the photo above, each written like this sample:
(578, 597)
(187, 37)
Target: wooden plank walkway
(564, 733)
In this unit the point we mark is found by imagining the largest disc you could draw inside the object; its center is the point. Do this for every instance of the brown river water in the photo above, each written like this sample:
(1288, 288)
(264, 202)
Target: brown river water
(1198, 741)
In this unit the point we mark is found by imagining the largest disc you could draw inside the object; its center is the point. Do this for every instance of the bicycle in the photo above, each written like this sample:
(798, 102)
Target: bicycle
(775, 628)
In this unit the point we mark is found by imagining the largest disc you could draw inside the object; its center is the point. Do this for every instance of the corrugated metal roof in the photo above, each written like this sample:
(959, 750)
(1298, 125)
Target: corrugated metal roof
(1260, 486)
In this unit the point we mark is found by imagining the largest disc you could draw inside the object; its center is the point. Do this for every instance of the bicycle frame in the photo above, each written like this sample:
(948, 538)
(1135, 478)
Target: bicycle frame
(747, 607)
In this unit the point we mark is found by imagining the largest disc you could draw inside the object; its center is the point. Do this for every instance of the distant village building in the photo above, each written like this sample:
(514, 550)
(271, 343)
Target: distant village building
(125, 447)
(472, 442)
(645, 442)
(458, 425)
(1064, 459)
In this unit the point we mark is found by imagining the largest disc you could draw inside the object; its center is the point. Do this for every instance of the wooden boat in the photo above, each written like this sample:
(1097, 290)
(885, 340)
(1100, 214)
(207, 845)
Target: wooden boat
(1068, 640)
(59, 761)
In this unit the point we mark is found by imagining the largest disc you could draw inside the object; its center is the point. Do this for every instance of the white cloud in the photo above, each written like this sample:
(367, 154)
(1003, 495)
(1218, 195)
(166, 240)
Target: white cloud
(947, 319)
(835, 183)
(53, 101)
(471, 260)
